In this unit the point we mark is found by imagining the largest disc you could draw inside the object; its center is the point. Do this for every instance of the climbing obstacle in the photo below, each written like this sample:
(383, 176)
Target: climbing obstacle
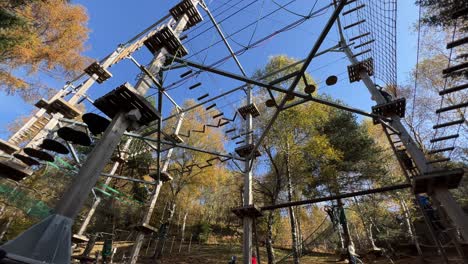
(7, 147)
(96, 69)
(59, 106)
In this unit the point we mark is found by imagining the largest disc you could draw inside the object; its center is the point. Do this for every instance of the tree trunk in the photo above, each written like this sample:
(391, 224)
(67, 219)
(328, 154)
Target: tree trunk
(300, 242)
(7, 225)
(344, 224)
(292, 216)
(269, 241)
(164, 230)
(367, 227)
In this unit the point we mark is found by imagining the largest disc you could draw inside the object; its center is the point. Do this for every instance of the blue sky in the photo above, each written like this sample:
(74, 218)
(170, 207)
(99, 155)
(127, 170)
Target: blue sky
(115, 21)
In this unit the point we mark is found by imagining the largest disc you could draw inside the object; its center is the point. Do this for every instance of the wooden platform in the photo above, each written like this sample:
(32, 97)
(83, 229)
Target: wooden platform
(146, 228)
(96, 68)
(79, 238)
(247, 211)
(13, 170)
(448, 177)
(124, 99)
(354, 70)
(165, 177)
(248, 109)
(166, 38)
(186, 7)
(395, 107)
(174, 138)
(59, 106)
(244, 151)
(7, 147)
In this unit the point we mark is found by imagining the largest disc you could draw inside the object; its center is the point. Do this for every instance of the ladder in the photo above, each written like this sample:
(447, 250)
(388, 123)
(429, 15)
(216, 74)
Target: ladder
(410, 171)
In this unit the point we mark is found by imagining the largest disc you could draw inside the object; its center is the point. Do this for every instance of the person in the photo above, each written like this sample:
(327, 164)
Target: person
(254, 259)
(233, 260)
(352, 253)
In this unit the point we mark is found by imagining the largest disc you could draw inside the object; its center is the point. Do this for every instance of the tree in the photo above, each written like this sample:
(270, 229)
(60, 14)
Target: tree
(46, 37)
(439, 12)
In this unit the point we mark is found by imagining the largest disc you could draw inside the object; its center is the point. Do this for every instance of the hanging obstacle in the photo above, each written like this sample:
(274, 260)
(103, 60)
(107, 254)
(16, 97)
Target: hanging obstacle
(96, 68)
(309, 89)
(354, 70)
(124, 99)
(13, 170)
(186, 7)
(395, 107)
(270, 103)
(331, 80)
(7, 147)
(248, 109)
(59, 106)
(146, 228)
(26, 160)
(174, 138)
(74, 136)
(165, 177)
(247, 211)
(54, 145)
(39, 154)
(427, 182)
(454, 89)
(244, 151)
(96, 123)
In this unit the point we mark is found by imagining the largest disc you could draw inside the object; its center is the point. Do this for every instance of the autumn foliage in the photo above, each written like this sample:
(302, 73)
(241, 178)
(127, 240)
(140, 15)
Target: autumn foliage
(40, 37)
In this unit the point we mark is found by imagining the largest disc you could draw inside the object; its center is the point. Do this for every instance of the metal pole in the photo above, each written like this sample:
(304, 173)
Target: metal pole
(440, 193)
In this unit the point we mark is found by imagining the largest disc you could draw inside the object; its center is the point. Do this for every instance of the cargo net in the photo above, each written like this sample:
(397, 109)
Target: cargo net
(376, 32)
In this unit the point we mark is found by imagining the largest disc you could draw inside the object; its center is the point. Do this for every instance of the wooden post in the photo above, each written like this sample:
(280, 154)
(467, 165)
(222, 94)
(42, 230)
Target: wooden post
(172, 244)
(190, 243)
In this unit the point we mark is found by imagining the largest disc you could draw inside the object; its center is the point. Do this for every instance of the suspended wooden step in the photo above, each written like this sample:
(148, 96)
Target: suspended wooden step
(444, 138)
(124, 99)
(447, 177)
(244, 151)
(457, 42)
(185, 74)
(26, 160)
(166, 38)
(230, 130)
(452, 123)
(354, 24)
(359, 36)
(79, 238)
(96, 123)
(364, 44)
(395, 107)
(452, 107)
(434, 151)
(454, 68)
(13, 170)
(165, 177)
(59, 106)
(362, 53)
(210, 107)
(146, 228)
(186, 7)
(195, 86)
(203, 97)
(55, 146)
(354, 70)
(438, 160)
(74, 136)
(251, 211)
(331, 80)
(349, 11)
(7, 147)
(218, 115)
(96, 68)
(174, 138)
(454, 89)
(39, 154)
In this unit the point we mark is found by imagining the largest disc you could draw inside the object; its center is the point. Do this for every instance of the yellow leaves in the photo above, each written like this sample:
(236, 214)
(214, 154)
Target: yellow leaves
(51, 41)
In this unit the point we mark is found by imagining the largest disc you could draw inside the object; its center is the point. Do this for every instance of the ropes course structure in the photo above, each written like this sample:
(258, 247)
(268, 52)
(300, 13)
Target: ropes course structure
(124, 122)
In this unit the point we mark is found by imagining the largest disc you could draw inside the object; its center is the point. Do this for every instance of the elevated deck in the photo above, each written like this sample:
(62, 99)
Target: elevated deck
(446, 177)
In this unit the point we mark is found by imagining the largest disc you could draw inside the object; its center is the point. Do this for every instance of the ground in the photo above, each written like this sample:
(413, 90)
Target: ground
(211, 254)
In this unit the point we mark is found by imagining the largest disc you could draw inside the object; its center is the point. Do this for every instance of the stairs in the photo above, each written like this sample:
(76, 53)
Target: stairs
(30, 131)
